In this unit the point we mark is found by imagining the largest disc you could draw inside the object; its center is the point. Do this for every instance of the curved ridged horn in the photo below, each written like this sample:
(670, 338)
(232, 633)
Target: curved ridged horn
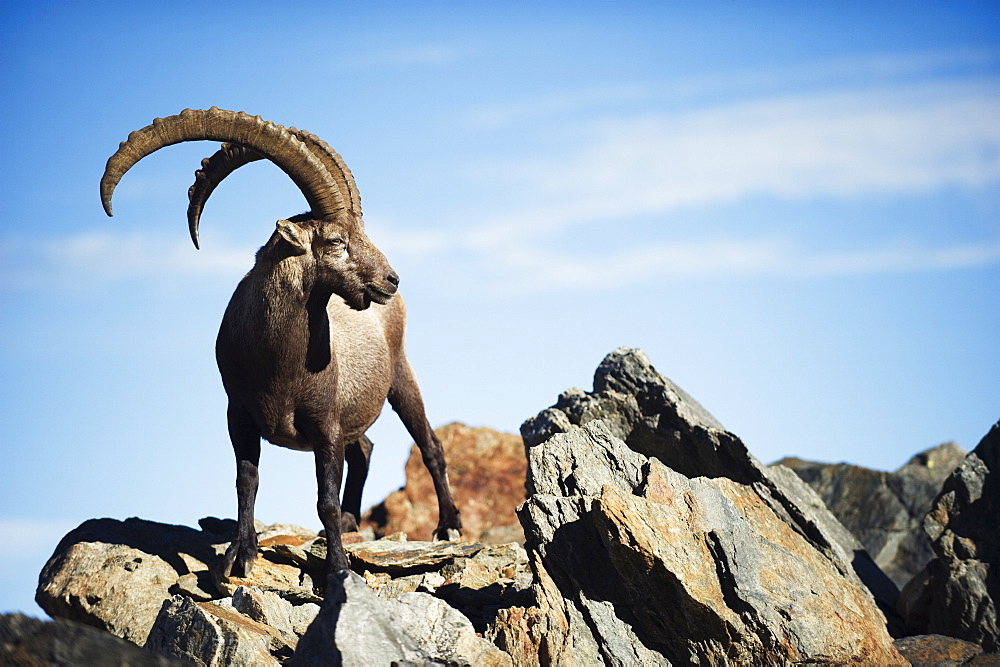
(232, 156)
(213, 171)
(337, 167)
(273, 141)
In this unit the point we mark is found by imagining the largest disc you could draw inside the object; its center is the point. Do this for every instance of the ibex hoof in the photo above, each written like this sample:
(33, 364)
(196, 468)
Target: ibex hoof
(238, 560)
(447, 535)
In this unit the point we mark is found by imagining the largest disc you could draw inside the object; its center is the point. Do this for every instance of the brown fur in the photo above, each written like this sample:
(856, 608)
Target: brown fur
(310, 347)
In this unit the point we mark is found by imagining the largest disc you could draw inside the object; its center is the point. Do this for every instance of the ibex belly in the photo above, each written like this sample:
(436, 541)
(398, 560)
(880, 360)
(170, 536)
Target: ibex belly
(363, 376)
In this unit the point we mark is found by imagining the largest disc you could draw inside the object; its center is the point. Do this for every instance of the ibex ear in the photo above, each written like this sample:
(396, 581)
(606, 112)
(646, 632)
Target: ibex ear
(296, 236)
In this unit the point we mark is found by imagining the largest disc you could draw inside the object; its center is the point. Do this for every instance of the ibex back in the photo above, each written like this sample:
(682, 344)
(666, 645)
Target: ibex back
(311, 344)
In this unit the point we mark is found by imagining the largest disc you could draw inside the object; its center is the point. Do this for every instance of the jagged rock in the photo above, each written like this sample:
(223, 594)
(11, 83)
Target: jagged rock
(31, 641)
(110, 586)
(709, 557)
(286, 580)
(214, 633)
(115, 575)
(937, 650)
(958, 593)
(477, 579)
(402, 558)
(486, 472)
(160, 586)
(885, 510)
(267, 608)
(656, 418)
(355, 626)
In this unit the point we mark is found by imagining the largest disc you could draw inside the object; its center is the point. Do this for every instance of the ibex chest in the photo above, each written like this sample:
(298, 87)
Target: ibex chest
(280, 378)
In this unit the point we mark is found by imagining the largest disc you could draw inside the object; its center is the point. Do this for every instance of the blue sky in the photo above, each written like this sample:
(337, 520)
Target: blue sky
(791, 207)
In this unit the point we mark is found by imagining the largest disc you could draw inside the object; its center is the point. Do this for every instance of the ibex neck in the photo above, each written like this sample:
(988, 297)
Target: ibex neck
(294, 312)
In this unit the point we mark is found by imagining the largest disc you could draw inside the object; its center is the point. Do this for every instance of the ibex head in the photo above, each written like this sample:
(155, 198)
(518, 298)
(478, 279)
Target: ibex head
(339, 257)
(330, 238)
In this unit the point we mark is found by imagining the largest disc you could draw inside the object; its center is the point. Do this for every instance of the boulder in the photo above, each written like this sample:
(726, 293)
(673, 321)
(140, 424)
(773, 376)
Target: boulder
(486, 470)
(355, 626)
(958, 593)
(116, 575)
(656, 418)
(655, 537)
(31, 641)
(885, 510)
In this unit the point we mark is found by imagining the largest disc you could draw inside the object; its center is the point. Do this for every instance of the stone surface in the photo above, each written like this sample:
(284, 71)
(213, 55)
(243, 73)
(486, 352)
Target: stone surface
(357, 627)
(288, 580)
(110, 586)
(486, 470)
(958, 593)
(30, 641)
(211, 633)
(656, 418)
(267, 608)
(115, 575)
(656, 537)
(937, 650)
(400, 558)
(159, 586)
(651, 536)
(885, 510)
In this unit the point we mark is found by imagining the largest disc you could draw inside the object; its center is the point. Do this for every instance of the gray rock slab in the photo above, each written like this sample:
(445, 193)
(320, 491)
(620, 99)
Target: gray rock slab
(357, 627)
(885, 510)
(31, 641)
(658, 419)
(215, 634)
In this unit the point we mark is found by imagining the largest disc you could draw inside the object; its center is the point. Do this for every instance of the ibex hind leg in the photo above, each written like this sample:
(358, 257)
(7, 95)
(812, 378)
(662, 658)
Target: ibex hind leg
(357, 454)
(405, 399)
(242, 552)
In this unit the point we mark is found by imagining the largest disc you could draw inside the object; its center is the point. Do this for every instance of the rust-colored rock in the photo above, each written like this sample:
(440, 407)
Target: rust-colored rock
(486, 469)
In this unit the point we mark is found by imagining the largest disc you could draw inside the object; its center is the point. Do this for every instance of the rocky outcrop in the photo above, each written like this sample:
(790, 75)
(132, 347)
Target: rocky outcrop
(651, 536)
(885, 510)
(158, 586)
(486, 469)
(958, 593)
(115, 575)
(656, 537)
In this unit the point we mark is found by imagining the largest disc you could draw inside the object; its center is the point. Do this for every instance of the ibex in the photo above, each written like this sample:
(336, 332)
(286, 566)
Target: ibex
(311, 344)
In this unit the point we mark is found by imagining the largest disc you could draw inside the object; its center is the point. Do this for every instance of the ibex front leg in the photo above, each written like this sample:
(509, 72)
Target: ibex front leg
(328, 448)
(242, 553)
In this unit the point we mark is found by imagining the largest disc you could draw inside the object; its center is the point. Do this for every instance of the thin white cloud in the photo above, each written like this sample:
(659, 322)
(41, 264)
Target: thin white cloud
(94, 258)
(846, 144)
(103, 254)
(726, 259)
(857, 73)
(907, 138)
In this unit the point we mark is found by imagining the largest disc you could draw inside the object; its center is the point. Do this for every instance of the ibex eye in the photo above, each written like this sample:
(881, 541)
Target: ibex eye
(336, 241)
